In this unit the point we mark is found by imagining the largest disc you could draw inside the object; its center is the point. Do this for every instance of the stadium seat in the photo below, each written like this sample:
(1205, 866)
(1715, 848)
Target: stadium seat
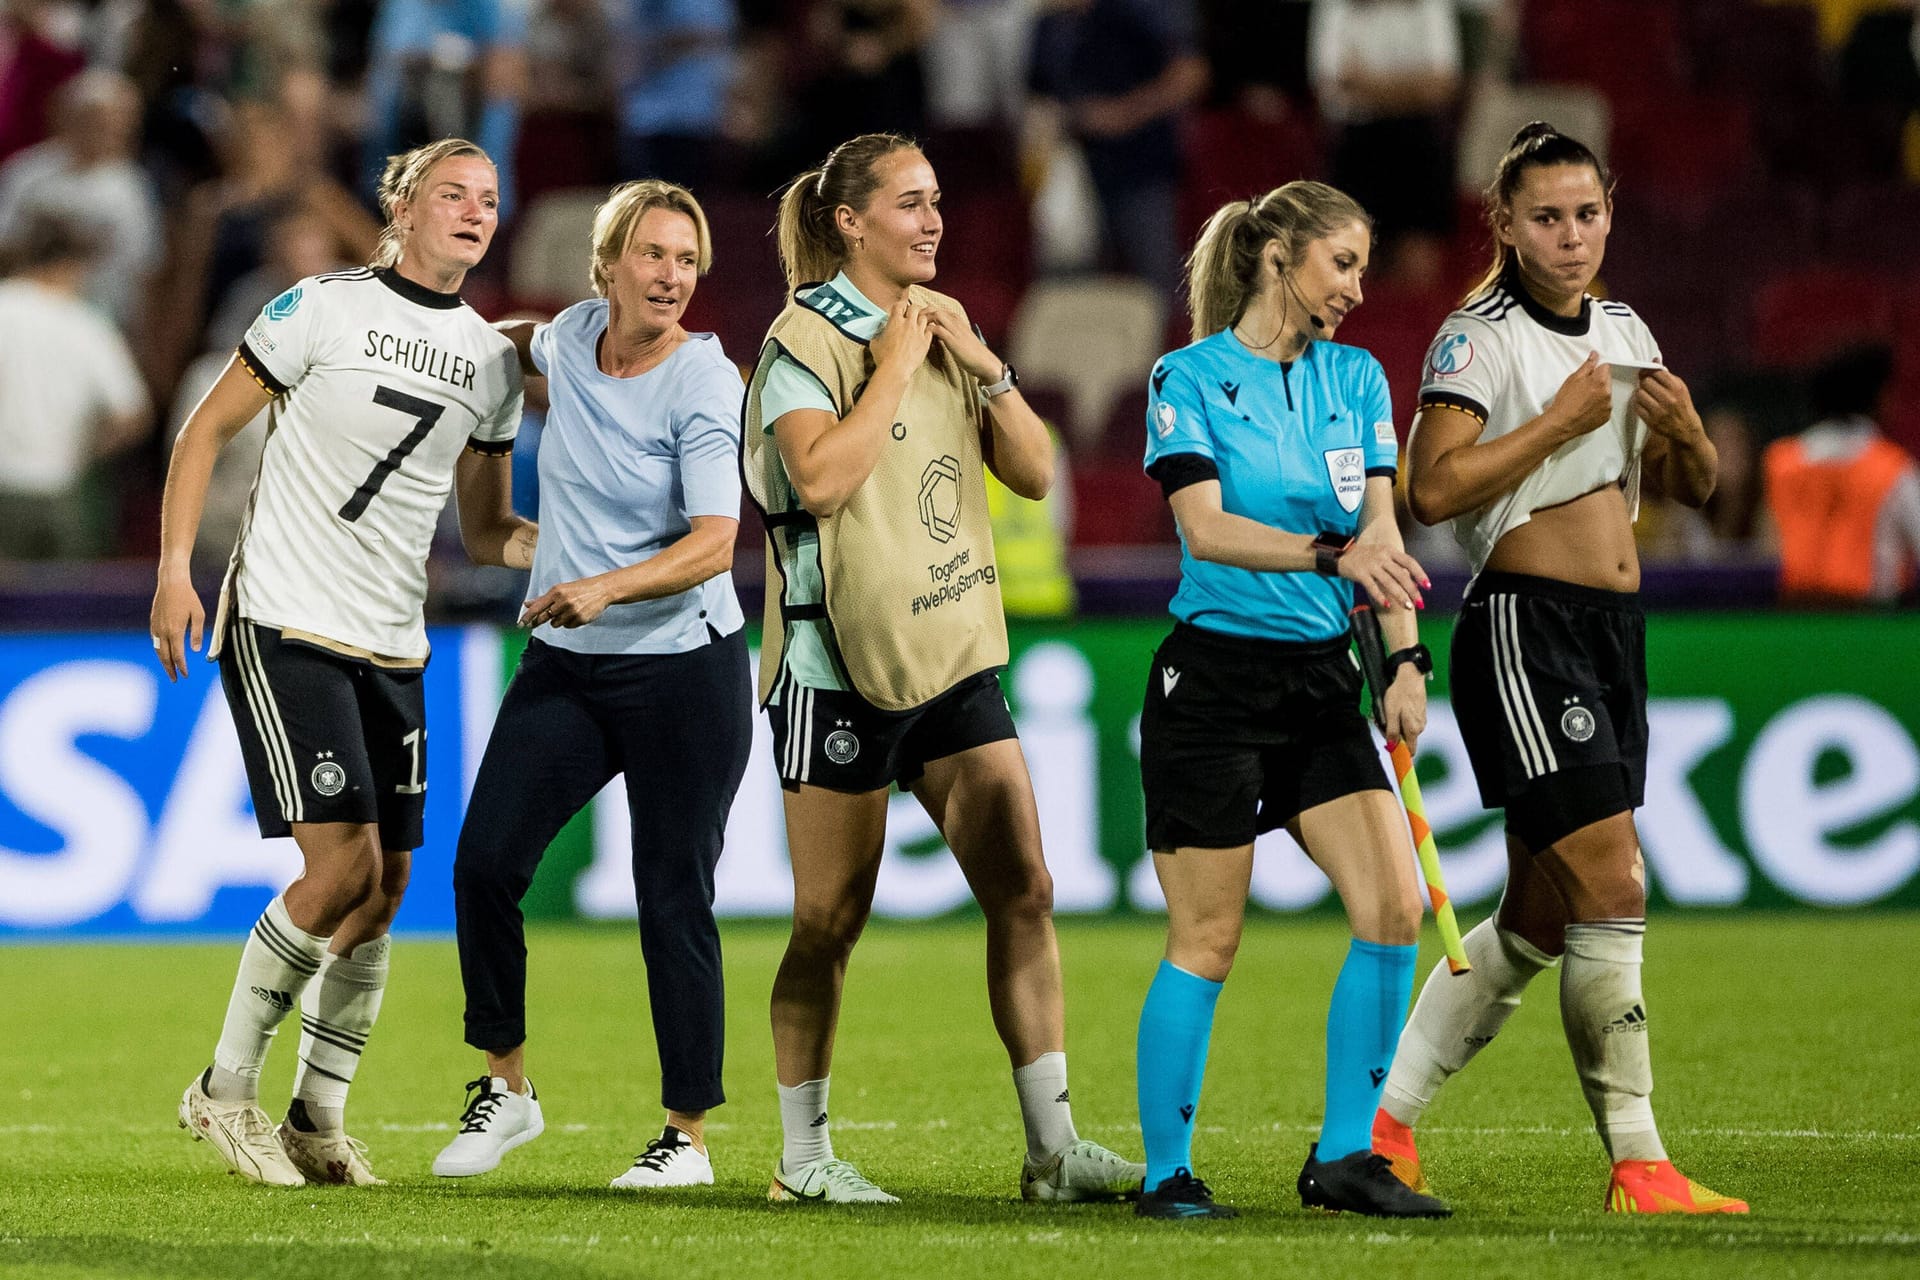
(1497, 111)
(1095, 337)
(1801, 315)
(560, 150)
(1739, 47)
(1397, 325)
(1232, 155)
(1625, 48)
(548, 268)
(1683, 151)
(1115, 504)
(1872, 223)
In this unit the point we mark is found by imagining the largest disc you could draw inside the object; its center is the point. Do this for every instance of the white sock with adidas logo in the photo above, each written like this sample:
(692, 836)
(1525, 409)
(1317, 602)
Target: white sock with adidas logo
(280, 958)
(804, 1132)
(1606, 1023)
(337, 1013)
(1044, 1109)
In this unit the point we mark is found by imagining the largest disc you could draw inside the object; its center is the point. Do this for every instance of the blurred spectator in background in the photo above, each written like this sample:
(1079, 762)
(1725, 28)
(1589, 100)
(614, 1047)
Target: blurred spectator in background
(33, 66)
(1844, 500)
(976, 63)
(1880, 68)
(1118, 74)
(86, 173)
(860, 71)
(69, 393)
(677, 68)
(1489, 39)
(298, 243)
(1258, 52)
(569, 134)
(445, 69)
(1387, 73)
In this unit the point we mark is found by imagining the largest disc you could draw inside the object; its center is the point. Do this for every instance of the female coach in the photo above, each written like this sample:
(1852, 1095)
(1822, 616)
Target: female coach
(637, 666)
(871, 413)
(386, 392)
(1540, 410)
(1276, 449)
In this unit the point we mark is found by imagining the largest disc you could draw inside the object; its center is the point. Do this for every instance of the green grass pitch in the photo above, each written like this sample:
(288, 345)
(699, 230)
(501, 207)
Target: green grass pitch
(1787, 1051)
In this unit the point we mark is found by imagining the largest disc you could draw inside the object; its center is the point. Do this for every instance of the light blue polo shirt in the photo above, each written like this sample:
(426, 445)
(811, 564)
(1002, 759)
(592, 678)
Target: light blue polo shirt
(1294, 445)
(625, 464)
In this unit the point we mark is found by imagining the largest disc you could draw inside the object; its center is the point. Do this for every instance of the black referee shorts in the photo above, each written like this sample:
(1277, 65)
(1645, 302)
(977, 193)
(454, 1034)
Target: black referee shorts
(1240, 736)
(1549, 685)
(326, 737)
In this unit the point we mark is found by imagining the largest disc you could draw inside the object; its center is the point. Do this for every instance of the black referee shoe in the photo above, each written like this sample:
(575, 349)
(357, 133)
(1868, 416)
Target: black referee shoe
(1363, 1183)
(1181, 1196)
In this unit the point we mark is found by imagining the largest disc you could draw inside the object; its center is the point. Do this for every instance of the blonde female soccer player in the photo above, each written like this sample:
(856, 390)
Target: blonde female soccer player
(873, 410)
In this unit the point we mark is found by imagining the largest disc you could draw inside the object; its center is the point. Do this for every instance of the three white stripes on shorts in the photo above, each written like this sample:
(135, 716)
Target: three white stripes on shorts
(1516, 694)
(266, 721)
(796, 765)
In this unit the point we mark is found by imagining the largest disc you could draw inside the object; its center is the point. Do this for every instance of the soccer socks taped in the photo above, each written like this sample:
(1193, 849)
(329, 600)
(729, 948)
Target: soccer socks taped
(803, 1124)
(1458, 1015)
(1044, 1109)
(276, 965)
(1606, 1023)
(337, 1012)
(1175, 1025)
(1364, 1019)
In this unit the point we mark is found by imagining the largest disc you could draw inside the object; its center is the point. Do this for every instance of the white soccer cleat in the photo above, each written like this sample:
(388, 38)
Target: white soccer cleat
(241, 1133)
(670, 1160)
(495, 1122)
(825, 1181)
(330, 1159)
(1084, 1171)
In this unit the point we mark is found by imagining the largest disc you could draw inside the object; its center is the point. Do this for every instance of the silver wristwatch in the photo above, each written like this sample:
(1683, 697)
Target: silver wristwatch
(1008, 381)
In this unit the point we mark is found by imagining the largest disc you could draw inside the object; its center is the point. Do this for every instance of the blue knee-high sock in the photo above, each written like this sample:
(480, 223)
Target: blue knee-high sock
(1175, 1025)
(1363, 1029)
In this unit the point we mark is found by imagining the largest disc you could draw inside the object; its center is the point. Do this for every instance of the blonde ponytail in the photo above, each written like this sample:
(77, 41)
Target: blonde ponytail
(1223, 271)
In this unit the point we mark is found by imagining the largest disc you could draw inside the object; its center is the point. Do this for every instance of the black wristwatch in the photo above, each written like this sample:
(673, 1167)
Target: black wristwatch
(1327, 550)
(1418, 655)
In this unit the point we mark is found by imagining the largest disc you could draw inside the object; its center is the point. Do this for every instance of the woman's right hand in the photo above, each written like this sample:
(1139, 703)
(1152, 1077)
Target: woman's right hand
(176, 610)
(1585, 399)
(1389, 576)
(905, 340)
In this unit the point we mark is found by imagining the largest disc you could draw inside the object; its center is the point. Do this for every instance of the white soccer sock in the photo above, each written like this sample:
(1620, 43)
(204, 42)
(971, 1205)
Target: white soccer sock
(278, 961)
(1458, 1015)
(1606, 1023)
(803, 1124)
(337, 1013)
(1044, 1109)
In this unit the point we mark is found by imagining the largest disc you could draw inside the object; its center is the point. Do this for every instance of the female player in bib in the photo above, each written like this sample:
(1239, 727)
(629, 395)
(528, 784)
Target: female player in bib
(1540, 411)
(1276, 449)
(637, 667)
(873, 410)
(386, 392)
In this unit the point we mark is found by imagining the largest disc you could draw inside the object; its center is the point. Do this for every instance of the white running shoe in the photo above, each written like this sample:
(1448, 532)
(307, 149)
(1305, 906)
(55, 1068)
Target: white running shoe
(330, 1159)
(495, 1122)
(241, 1133)
(670, 1160)
(1084, 1171)
(831, 1181)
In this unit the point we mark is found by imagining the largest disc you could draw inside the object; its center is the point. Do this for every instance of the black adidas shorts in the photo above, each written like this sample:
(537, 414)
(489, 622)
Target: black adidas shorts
(1240, 736)
(838, 740)
(326, 738)
(1549, 685)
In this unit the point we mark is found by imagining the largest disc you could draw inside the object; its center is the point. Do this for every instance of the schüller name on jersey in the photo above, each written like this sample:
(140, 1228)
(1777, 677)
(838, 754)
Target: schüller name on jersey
(421, 356)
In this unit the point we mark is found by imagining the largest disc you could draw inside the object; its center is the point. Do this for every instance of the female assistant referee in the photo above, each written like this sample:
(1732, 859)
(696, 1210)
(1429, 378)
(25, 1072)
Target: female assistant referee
(1277, 452)
(1540, 410)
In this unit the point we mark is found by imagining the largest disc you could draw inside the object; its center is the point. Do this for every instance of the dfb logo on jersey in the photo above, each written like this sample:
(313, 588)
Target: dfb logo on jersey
(284, 305)
(1449, 355)
(1347, 469)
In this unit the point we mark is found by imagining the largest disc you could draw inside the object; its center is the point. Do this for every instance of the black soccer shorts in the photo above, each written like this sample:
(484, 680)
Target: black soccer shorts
(837, 739)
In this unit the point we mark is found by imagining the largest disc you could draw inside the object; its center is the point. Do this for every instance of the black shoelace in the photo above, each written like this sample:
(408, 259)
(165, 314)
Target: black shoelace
(1184, 1187)
(480, 1107)
(659, 1152)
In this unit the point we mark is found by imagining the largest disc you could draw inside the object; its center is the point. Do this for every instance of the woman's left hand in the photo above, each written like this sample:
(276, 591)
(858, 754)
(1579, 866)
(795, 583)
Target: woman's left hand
(974, 355)
(1663, 402)
(570, 604)
(1407, 706)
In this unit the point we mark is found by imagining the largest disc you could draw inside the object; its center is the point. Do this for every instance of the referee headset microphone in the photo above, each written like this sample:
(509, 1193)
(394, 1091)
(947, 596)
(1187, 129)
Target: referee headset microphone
(1286, 277)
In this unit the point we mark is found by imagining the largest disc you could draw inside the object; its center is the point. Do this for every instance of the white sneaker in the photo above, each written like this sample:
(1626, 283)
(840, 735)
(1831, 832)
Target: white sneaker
(670, 1160)
(831, 1181)
(331, 1159)
(241, 1133)
(495, 1122)
(1084, 1171)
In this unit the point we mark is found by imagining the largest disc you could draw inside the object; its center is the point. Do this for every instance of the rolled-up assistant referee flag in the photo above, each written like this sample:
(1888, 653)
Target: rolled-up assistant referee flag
(1373, 666)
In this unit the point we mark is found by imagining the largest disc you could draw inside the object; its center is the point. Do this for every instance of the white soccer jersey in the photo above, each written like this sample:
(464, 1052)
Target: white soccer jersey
(379, 383)
(1501, 358)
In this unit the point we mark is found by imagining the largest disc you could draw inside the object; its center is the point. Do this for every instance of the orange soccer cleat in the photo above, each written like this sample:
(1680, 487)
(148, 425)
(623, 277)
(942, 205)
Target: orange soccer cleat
(1655, 1186)
(1395, 1141)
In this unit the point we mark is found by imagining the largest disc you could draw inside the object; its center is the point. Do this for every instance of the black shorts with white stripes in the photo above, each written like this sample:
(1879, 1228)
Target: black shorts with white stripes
(326, 737)
(838, 740)
(1549, 685)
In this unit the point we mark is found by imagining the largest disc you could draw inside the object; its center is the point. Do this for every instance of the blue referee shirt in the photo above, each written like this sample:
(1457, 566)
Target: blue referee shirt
(625, 463)
(1293, 446)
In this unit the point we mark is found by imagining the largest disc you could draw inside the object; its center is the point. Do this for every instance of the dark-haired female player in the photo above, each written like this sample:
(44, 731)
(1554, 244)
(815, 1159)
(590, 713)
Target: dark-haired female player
(1540, 410)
